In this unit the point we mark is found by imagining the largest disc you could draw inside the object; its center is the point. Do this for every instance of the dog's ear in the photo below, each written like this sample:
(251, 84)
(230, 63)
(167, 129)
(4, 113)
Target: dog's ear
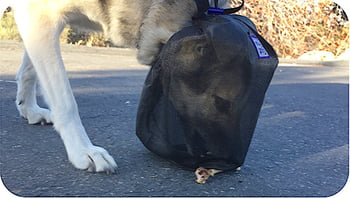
(228, 43)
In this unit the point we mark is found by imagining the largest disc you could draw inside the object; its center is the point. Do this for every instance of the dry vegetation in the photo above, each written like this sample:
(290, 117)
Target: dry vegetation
(293, 27)
(8, 29)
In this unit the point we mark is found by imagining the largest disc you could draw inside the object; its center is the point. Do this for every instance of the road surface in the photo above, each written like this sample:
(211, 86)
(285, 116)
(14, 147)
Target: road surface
(300, 146)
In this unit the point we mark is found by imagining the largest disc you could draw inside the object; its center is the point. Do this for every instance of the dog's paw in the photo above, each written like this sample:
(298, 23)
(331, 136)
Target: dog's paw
(94, 159)
(35, 115)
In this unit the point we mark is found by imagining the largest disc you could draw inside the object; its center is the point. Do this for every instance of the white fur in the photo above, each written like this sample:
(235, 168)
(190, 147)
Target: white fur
(42, 46)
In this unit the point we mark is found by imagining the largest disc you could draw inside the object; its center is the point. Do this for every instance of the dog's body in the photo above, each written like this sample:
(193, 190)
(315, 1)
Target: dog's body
(146, 24)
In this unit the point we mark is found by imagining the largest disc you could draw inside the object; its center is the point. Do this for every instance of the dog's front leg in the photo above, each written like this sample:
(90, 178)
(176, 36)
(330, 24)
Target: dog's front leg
(40, 32)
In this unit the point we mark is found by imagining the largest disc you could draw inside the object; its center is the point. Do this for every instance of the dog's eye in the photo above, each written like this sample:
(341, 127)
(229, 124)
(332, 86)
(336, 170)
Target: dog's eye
(201, 49)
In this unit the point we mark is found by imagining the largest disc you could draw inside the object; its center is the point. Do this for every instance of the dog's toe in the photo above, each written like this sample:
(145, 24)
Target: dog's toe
(36, 115)
(92, 159)
(43, 122)
(101, 161)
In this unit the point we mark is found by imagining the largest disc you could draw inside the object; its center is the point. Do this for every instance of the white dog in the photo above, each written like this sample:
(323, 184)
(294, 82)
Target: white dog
(146, 24)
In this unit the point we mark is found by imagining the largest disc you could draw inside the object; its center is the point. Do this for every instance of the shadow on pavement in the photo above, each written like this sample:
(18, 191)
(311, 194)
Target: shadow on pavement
(300, 146)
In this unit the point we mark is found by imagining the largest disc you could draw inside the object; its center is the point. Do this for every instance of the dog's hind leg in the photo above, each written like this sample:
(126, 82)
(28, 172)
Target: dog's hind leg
(40, 29)
(26, 94)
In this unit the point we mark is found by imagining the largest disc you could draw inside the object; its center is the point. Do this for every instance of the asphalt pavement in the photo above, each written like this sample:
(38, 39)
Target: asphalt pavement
(300, 146)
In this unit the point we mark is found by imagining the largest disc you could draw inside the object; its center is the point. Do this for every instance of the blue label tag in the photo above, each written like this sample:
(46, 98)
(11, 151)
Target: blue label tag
(262, 53)
(215, 11)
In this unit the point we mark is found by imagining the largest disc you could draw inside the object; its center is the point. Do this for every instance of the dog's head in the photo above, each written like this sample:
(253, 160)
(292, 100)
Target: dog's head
(201, 78)
(204, 76)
